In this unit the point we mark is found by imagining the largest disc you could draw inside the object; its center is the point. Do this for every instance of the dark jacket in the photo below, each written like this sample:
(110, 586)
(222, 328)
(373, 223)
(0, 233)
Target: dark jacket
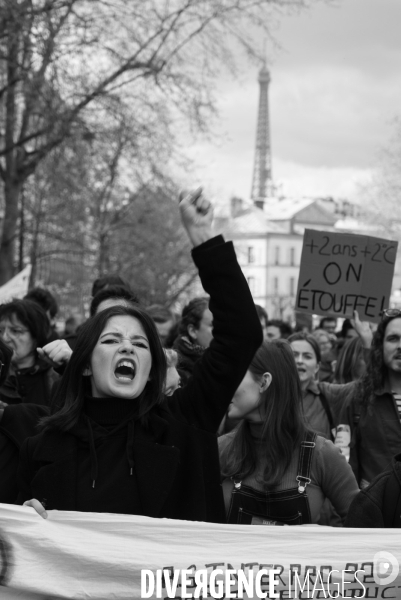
(32, 385)
(374, 434)
(176, 457)
(188, 356)
(376, 505)
(16, 424)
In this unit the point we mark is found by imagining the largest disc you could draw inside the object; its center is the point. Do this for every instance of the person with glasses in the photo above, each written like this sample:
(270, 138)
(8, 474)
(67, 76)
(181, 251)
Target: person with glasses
(24, 327)
(370, 424)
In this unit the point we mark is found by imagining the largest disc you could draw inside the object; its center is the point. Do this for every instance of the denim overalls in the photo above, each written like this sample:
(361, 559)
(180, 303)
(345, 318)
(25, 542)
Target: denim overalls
(287, 507)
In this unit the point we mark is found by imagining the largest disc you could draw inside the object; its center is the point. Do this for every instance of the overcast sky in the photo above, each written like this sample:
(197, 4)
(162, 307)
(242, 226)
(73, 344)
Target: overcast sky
(335, 91)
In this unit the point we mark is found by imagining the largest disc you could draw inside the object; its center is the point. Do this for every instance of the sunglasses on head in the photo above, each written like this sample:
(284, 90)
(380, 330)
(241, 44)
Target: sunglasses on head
(391, 312)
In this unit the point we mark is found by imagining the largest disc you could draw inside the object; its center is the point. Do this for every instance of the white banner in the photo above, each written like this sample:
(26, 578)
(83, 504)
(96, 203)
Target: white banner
(17, 287)
(95, 556)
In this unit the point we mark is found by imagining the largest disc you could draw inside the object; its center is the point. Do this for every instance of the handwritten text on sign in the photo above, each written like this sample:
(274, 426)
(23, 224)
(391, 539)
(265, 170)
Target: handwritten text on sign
(342, 272)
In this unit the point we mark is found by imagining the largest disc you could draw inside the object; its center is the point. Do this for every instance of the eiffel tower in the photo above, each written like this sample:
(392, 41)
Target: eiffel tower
(262, 182)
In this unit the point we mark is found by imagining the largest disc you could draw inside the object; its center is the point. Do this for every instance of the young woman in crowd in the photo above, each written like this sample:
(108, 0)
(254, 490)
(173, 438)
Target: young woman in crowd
(276, 471)
(322, 401)
(117, 445)
(24, 327)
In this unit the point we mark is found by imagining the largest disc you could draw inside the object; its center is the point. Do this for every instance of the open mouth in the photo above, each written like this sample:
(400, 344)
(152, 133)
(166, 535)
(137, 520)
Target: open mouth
(125, 370)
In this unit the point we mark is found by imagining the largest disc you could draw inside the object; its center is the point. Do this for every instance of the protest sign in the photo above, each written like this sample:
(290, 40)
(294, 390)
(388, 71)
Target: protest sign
(343, 272)
(118, 557)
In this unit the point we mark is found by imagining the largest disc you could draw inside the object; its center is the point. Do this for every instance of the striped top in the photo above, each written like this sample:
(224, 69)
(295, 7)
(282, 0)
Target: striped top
(397, 400)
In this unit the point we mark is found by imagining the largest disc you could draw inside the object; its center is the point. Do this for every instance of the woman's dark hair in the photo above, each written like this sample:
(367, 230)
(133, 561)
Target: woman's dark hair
(44, 298)
(192, 314)
(160, 313)
(114, 292)
(281, 411)
(74, 385)
(285, 328)
(31, 315)
(373, 379)
(307, 337)
(107, 281)
(348, 361)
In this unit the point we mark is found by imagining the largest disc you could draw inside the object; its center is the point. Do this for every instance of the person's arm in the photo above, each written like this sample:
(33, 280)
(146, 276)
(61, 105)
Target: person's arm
(196, 217)
(24, 477)
(237, 332)
(57, 354)
(366, 510)
(336, 478)
(338, 396)
(363, 329)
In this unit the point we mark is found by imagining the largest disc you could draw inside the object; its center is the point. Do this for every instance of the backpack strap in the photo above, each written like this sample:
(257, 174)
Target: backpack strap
(392, 501)
(305, 460)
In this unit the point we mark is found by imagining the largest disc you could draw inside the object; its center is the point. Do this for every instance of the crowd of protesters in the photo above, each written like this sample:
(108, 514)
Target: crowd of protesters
(219, 414)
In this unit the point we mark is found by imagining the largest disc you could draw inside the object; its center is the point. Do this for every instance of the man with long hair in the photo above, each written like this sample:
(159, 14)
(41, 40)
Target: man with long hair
(371, 422)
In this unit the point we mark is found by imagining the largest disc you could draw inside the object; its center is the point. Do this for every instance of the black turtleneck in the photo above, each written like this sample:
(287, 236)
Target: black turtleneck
(110, 412)
(105, 457)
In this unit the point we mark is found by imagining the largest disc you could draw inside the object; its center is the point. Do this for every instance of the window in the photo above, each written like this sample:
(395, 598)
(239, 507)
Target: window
(277, 255)
(251, 283)
(275, 285)
(292, 257)
(292, 286)
(251, 254)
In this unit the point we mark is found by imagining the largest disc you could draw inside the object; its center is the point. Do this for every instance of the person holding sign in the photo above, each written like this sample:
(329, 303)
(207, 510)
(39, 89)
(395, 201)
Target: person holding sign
(277, 471)
(118, 444)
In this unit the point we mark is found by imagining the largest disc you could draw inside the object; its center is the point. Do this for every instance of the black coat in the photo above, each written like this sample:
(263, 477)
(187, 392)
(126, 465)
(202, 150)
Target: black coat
(375, 505)
(17, 423)
(176, 459)
(32, 385)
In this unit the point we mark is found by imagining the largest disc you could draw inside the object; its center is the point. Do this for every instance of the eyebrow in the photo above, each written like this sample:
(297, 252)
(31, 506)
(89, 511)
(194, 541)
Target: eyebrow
(120, 335)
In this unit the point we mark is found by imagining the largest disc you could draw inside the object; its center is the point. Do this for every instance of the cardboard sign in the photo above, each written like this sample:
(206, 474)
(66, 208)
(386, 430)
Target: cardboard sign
(343, 272)
(125, 557)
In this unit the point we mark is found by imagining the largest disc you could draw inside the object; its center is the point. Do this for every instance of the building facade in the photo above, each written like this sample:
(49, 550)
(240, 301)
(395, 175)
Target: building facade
(268, 241)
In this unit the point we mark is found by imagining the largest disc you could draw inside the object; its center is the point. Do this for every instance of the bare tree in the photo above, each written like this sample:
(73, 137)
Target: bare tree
(65, 62)
(381, 197)
(100, 206)
(384, 190)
